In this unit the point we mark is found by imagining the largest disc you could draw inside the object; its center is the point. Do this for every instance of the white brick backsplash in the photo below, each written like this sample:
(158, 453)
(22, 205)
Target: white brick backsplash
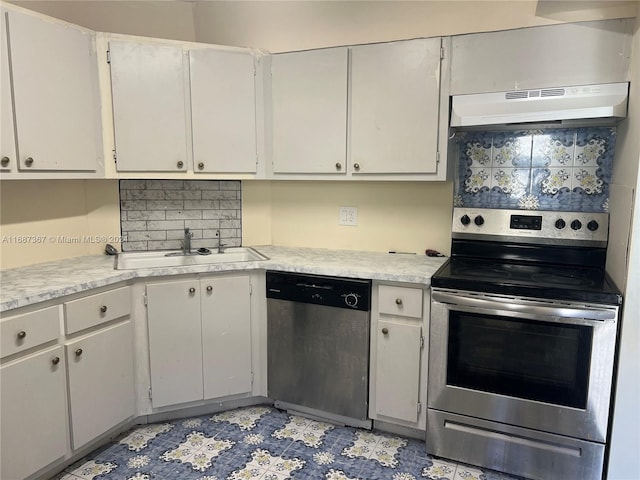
(165, 205)
(165, 225)
(220, 214)
(201, 204)
(141, 236)
(182, 194)
(144, 215)
(220, 195)
(184, 214)
(154, 213)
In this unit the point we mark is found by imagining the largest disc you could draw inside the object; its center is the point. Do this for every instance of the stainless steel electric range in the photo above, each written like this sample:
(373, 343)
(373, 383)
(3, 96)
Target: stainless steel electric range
(522, 344)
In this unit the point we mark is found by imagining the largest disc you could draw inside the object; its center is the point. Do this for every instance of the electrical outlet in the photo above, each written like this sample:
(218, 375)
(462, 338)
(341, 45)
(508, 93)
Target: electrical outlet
(348, 216)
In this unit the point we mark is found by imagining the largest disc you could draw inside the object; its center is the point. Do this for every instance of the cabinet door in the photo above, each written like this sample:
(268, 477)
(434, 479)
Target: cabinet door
(223, 111)
(33, 410)
(309, 95)
(8, 155)
(539, 57)
(175, 342)
(398, 370)
(149, 116)
(395, 95)
(56, 94)
(101, 388)
(226, 336)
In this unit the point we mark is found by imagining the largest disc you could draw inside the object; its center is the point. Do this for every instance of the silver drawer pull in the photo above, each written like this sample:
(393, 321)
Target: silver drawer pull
(103, 309)
(192, 290)
(385, 331)
(209, 288)
(398, 301)
(21, 335)
(78, 352)
(55, 360)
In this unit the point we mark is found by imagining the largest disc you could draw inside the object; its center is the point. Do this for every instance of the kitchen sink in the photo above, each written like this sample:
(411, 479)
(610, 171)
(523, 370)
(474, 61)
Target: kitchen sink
(175, 258)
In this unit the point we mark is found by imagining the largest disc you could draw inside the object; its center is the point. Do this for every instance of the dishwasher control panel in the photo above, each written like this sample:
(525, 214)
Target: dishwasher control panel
(338, 292)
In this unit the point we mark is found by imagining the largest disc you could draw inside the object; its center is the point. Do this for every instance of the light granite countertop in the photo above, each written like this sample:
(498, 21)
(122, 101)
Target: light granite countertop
(24, 286)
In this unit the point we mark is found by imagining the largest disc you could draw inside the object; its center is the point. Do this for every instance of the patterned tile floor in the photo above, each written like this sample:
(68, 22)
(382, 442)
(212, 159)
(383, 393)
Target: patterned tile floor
(268, 444)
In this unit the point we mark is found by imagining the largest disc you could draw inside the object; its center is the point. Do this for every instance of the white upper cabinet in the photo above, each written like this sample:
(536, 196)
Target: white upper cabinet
(55, 95)
(223, 111)
(309, 111)
(8, 155)
(538, 57)
(394, 101)
(150, 118)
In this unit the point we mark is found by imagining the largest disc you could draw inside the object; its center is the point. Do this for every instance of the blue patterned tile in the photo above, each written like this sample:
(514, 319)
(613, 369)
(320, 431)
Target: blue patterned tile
(252, 451)
(551, 169)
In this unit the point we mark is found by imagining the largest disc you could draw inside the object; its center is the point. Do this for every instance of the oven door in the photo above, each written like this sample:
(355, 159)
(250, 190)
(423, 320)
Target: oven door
(536, 364)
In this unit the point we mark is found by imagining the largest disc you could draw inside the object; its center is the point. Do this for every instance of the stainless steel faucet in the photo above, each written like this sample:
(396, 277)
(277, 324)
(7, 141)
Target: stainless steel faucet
(186, 243)
(220, 244)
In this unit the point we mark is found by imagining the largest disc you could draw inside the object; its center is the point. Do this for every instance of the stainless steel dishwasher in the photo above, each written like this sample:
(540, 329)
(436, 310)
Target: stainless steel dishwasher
(318, 345)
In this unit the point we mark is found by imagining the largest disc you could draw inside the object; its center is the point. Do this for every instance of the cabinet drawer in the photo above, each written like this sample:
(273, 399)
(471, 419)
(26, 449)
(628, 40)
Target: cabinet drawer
(29, 330)
(96, 309)
(403, 301)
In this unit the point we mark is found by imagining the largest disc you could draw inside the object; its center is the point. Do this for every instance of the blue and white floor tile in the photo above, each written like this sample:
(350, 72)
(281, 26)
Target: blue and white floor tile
(264, 443)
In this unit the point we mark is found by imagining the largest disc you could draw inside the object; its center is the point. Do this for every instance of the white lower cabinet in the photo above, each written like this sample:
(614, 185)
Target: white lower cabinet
(398, 360)
(199, 339)
(398, 370)
(33, 411)
(101, 387)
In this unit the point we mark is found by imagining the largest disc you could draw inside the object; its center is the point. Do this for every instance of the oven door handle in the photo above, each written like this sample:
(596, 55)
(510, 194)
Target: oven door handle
(526, 308)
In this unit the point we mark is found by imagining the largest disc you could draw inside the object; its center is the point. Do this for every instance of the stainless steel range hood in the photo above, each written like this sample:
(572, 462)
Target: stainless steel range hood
(576, 105)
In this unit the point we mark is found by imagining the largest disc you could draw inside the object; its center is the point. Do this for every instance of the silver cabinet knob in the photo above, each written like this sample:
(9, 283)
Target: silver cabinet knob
(55, 360)
(5, 161)
(201, 166)
(398, 301)
(192, 290)
(385, 331)
(356, 166)
(103, 309)
(78, 352)
(209, 288)
(180, 164)
(28, 162)
(21, 334)
(338, 166)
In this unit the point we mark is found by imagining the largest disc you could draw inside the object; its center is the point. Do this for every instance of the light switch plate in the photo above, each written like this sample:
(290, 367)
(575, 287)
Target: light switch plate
(348, 216)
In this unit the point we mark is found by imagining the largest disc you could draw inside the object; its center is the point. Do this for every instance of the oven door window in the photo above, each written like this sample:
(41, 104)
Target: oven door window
(534, 360)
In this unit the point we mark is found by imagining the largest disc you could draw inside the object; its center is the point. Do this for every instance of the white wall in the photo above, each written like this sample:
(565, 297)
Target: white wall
(624, 265)
(150, 18)
(298, 25)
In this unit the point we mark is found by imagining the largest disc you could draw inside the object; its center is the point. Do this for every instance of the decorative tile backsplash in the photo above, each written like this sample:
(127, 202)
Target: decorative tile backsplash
(550, 169)
(154, 213)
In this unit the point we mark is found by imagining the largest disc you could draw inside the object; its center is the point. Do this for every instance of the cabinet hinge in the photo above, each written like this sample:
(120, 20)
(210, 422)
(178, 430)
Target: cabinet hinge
(115, 156)
(437, 156)
(441, 53)
(252, 379)
(251, 293)
(108, 56)
(150, 395)
(419, 407)
(146, 300)
(421, 343)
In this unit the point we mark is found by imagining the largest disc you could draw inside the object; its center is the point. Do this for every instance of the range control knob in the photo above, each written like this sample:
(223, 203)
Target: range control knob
(465, 220)
(478, 220)
(351, 299)
(576, 225)
(560, 224)
(593, 226)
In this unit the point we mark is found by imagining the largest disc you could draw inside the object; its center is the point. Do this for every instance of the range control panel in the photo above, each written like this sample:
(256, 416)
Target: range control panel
(537, 226)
